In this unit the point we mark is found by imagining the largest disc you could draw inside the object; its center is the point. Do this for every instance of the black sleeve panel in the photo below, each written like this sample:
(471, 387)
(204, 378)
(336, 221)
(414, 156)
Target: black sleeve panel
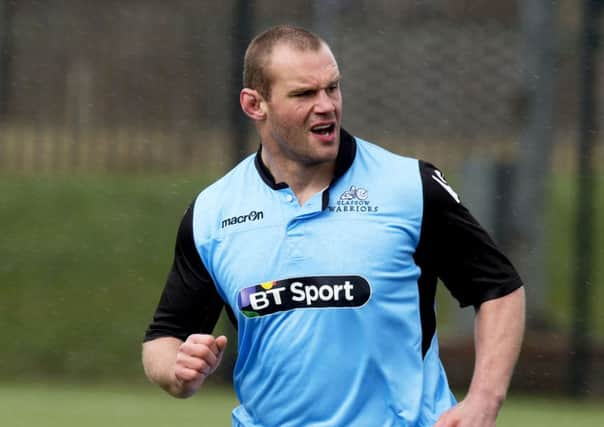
(454, 247)
(189, 302)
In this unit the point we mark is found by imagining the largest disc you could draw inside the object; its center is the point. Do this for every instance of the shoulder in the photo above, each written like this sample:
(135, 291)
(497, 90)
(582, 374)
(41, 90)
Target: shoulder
(436, 189)
(370, 153)
(392, 181)
(407, 172)
(381, 164)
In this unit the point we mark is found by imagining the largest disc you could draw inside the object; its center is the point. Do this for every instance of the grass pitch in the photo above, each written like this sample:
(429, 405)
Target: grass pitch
(63, 405)
(69, 405)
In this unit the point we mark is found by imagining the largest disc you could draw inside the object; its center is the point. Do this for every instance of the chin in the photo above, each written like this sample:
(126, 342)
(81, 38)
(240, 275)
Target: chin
(328, 154)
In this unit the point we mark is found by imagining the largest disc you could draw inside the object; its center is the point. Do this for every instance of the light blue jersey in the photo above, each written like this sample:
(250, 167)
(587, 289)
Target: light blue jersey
(333, 300)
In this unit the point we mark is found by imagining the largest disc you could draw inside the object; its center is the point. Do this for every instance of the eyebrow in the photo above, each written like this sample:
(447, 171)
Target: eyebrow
(306, 88)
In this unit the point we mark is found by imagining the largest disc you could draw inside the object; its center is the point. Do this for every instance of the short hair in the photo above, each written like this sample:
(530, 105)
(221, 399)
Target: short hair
(257, 55)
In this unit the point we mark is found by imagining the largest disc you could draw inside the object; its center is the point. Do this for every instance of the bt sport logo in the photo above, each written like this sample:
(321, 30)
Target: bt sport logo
(304, 292)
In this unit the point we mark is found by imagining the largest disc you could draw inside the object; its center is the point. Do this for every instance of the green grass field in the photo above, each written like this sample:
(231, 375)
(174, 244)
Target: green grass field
(66, 406)
(82, 263)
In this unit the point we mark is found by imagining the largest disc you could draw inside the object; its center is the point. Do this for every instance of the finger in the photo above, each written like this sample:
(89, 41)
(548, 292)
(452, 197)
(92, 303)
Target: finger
(196, 363)
(201, 339)
(204, 340)
(187, 375)
(221, 343)
(200, 352)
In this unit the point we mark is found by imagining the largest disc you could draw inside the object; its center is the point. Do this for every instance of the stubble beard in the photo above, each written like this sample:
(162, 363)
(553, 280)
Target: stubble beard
(304, 150)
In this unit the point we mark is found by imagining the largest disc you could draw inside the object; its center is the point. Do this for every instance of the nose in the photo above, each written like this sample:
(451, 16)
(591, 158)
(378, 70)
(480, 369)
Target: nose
(324, 103)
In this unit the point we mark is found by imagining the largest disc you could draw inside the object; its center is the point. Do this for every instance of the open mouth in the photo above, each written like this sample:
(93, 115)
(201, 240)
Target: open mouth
(323, 129)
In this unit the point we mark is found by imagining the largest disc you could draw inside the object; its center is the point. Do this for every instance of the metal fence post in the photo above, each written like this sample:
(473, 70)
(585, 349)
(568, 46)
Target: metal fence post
(241, 37)
(5, 34)
(580, 354)
(536, 139)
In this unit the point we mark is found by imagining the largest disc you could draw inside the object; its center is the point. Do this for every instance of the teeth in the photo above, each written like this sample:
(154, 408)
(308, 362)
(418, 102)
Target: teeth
(324, 129)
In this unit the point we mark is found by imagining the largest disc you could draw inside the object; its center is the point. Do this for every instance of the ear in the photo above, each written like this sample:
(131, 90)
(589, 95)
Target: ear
(252, 104)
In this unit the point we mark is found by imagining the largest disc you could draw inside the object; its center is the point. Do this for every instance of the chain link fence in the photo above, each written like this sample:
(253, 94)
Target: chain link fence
(147, 85)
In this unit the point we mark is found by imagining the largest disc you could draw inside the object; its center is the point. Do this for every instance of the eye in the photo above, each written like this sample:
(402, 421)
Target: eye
(333, 87)
(304, 94)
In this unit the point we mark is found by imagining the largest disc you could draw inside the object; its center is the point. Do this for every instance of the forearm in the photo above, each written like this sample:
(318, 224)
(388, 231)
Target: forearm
(159, 359)
(499, 329)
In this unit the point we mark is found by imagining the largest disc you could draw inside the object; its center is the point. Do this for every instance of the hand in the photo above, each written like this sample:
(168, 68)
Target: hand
(468, 413)
(196, 359)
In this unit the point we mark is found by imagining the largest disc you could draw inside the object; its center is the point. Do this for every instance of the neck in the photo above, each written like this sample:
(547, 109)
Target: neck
(305, 180)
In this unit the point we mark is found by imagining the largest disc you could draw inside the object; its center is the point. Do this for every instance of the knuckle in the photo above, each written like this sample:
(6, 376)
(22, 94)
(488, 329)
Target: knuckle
(196, 364)
(185, 348)
(204, 351)
(204, 367)
(184, 374)
(199, 338)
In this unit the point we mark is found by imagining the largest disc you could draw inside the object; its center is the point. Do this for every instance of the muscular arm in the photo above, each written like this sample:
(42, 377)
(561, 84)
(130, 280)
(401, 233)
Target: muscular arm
(498, 333)
(180, 368)
(457, 249)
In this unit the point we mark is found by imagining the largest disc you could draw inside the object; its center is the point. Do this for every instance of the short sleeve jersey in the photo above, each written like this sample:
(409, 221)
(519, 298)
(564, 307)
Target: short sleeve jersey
(333, 300)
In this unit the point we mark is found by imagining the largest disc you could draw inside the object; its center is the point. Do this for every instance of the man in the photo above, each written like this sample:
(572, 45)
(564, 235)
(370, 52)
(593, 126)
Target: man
(325, 251)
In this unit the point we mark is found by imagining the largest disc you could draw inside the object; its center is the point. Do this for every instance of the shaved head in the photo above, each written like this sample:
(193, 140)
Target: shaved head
(256, 65)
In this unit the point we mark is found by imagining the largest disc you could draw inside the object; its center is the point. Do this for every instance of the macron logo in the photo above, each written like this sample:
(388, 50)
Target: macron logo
(252, 216)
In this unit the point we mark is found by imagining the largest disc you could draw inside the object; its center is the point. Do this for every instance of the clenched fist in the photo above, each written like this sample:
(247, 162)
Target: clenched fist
(197, 357)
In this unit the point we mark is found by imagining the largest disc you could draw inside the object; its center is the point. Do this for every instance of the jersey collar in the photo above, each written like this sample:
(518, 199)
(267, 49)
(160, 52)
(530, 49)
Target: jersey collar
(346, 154)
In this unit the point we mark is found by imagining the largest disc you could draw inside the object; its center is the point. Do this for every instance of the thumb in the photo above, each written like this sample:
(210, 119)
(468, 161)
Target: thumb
(221, 343)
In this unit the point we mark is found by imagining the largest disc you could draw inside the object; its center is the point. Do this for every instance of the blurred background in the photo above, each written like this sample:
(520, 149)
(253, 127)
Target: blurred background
(114, 114)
